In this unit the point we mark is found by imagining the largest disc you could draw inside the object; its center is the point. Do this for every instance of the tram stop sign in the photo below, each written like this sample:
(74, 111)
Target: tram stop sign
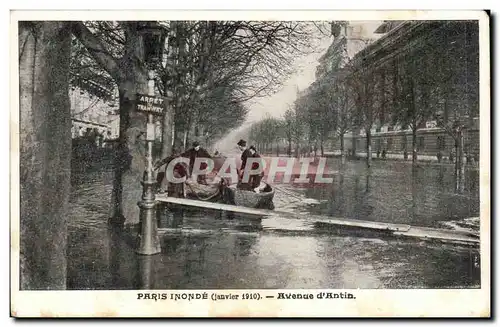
(151, 104)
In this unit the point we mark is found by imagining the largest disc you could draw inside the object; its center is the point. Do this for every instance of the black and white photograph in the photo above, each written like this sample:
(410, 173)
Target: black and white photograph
(250, 165)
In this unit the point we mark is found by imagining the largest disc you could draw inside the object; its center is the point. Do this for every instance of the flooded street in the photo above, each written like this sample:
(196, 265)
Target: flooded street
(283, 252)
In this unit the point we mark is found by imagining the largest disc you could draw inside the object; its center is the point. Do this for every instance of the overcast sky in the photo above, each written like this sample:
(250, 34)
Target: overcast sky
(277, 104)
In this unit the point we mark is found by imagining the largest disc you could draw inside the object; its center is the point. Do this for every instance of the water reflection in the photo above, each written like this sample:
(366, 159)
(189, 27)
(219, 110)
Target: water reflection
(211, 251)
(398, 193)
(146, 277)
(169, 216)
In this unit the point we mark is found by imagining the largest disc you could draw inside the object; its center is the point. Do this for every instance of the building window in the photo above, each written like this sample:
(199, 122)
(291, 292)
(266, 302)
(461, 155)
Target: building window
(389, 144)
(403, 143)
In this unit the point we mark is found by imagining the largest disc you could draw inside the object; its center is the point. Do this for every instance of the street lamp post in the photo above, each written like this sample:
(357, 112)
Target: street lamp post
(152, 37)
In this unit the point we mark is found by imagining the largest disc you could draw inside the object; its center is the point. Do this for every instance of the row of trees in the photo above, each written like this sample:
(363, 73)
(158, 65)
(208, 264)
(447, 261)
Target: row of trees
(433, 76)
(210, 68)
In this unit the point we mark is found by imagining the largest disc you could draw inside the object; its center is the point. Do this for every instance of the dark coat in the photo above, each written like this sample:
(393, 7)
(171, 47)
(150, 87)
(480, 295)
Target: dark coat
(192, 154)
(254, 180)
(255, 165)
(244, 157)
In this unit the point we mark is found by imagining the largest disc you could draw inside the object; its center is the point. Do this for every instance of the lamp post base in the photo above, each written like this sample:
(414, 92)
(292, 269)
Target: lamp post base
(148, 240)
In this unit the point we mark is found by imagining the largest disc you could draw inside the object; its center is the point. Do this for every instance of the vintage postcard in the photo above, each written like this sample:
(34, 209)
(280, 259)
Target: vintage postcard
(250, 164)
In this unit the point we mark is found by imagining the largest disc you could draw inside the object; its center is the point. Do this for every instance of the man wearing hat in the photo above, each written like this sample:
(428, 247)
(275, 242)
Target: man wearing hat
(255, 180)
(245, 153)
(196, 152)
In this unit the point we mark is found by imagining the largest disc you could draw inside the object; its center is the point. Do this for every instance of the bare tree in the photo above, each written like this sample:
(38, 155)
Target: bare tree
(266, 133)
(288, 123)
(45, 152)
(455, 80)
(362, 86)
(117, 48)
(344, 113)
(246, 59)
(298, 124)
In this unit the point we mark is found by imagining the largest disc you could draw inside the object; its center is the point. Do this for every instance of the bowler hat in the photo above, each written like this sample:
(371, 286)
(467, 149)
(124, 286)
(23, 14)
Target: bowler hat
(196, 143)
(242, 143)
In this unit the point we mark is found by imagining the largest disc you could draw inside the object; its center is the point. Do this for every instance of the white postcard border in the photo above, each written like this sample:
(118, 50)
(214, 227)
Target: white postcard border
(368, 303)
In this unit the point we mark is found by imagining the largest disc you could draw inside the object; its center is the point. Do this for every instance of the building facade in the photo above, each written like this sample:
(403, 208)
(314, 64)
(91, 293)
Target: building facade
(420, 76)
(349, 39)
(91, 114)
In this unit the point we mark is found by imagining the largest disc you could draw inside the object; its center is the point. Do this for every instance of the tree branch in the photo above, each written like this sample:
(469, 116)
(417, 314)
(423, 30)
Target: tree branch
(96, 49)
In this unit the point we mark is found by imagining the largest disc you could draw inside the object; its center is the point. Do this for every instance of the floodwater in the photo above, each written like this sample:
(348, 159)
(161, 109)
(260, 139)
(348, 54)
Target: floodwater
(284, 252)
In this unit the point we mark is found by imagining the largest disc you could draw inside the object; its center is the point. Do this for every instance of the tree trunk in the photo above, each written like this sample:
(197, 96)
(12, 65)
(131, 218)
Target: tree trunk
(462, 163)
(457, 169)
(121, 162)
(45, 153)
(289, 147)
(131, 76)
(354, 141)
(459, 165)
(167, 132)
(178, 135)
(322, 148)
(130, 159)
(168, 124)
(185, 139)
(368, 147)
(342, 150)
(192, 134)
(414, 144)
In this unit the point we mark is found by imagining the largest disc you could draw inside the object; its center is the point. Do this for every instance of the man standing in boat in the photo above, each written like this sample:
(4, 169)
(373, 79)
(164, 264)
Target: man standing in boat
(254, 180)
(245, 153)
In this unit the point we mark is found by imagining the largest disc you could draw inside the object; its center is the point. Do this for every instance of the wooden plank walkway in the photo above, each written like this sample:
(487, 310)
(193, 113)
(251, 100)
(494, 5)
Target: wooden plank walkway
(213, 205)
(402, 230)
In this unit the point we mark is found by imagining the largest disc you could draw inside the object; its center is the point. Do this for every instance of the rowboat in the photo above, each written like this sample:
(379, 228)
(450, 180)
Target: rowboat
(211, 191)
(249, 198)
(231, 194)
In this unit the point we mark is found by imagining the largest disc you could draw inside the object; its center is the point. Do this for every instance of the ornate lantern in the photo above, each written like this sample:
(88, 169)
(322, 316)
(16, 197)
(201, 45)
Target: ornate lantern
(152, 42)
